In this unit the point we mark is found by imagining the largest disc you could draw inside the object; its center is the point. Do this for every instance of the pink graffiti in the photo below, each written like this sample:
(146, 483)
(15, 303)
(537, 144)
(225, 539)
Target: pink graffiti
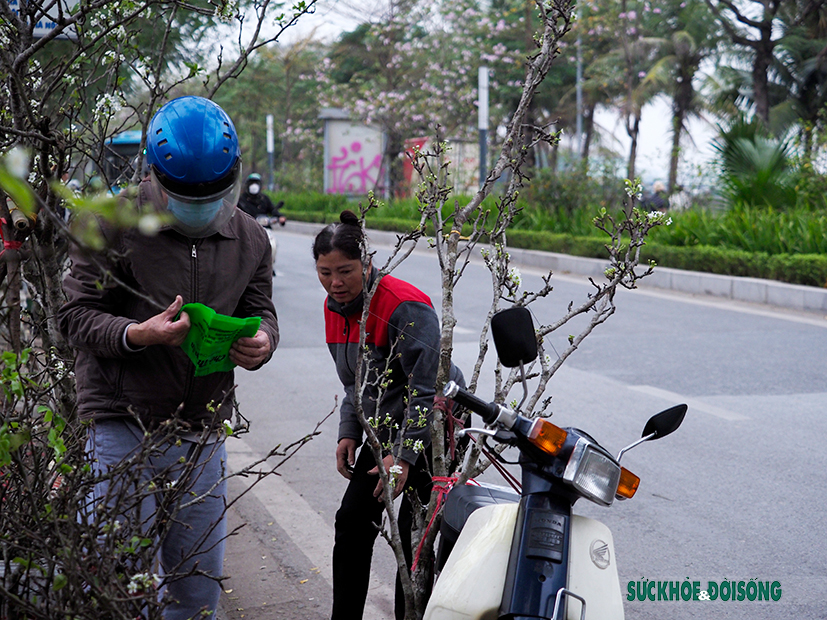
(350, 175)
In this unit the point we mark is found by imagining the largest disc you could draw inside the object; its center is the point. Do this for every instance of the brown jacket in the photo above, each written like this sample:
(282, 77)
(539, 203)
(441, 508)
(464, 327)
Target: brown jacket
(230, 271)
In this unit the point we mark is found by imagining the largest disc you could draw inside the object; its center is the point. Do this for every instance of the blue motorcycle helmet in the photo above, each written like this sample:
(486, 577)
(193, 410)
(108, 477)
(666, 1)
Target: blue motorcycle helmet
(195, 165)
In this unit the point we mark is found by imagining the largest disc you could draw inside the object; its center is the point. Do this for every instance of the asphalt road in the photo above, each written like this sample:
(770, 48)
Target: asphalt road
(736, 494)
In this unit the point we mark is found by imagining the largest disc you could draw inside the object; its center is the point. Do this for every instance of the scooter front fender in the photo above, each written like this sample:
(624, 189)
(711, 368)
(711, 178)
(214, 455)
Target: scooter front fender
(593, 571)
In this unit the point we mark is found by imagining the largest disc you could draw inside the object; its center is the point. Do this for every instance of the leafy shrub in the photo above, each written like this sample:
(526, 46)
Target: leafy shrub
(755, 169)
(564, 193)
(297, 177)
(810, 187)
(311, 202)
(748, 228)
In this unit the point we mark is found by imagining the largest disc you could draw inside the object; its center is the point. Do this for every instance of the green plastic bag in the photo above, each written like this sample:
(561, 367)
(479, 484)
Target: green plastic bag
(209, 340)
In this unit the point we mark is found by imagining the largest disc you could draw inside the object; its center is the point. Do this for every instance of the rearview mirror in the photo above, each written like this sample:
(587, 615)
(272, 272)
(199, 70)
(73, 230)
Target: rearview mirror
(514, 336)
(665, 422)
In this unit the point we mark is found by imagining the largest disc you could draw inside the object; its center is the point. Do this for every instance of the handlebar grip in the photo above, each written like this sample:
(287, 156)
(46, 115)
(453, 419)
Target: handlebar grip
(489, 411)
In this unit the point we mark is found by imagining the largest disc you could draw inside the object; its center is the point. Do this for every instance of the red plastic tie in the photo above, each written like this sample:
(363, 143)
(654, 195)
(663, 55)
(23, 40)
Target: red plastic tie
(442, 485)
(8, 245)
(446, 406)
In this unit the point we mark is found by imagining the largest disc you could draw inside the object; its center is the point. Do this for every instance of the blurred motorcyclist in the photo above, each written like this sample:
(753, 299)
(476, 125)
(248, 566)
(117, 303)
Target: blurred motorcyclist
(254, 202)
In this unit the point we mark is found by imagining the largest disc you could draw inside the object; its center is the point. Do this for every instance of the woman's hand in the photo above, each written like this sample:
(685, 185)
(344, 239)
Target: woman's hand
(346, 457)
(401, 477)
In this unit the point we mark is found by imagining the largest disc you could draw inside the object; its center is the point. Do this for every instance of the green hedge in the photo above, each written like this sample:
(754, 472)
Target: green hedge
(386, 224)
(809, 269)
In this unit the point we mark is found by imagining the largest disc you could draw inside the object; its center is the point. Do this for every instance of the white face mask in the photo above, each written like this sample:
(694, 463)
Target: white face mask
(254, 188)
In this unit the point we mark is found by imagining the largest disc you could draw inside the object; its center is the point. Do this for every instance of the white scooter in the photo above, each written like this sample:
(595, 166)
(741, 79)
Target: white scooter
(269, 224)
(528, 556)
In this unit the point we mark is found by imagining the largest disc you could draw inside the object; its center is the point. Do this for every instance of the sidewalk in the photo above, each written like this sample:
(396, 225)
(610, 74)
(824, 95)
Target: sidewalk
(264, 582)
(749, 290)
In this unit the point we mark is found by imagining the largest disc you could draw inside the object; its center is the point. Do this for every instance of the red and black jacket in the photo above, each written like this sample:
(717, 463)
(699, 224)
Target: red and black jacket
(402, 339)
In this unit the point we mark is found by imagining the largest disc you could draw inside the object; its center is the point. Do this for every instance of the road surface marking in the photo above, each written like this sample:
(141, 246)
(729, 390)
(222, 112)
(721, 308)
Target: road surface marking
(693, 404)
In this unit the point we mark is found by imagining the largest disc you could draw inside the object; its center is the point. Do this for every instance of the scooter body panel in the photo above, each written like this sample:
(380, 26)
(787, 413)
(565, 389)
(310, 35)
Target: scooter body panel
(470, 586)
(593, 571)
(274, 245)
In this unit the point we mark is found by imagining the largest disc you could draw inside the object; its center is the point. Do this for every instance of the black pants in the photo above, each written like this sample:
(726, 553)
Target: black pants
(357, 523)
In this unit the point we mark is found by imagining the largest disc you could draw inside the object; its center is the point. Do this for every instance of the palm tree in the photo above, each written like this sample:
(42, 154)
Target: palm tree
(625, 70)
(754, 34)
(795, 91)
(802, 71)
(694, 38)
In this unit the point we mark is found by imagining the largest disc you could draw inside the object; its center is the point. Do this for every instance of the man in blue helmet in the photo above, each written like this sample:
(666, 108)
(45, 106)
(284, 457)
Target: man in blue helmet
(132, 375)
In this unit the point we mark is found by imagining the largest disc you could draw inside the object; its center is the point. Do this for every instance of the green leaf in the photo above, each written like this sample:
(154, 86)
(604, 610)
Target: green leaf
(28, 564)
(18, 190)
(59, 582)
(17, 440)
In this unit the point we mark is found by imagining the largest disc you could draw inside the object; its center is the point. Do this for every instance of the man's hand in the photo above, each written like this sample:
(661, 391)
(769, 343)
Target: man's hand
(161, 328)
(401, 478)
(346, 457)
(250, 352)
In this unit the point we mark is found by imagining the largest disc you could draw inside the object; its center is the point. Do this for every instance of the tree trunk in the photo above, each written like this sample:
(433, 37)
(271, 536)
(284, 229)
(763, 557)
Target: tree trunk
(763, 48)
(588, 119)
(634, 133)
(677, 126)
(760, 81)
(395, 166)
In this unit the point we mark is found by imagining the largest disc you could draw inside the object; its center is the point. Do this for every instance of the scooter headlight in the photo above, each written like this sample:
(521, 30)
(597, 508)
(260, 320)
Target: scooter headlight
(593, 472)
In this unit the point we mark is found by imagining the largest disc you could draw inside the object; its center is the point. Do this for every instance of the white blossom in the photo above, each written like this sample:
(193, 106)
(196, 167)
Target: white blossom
(659, 216)
(226, 13)
(113, 56)
(107, 105)
(634, 189)
(17, 162)
(141, 582)
(149, 224)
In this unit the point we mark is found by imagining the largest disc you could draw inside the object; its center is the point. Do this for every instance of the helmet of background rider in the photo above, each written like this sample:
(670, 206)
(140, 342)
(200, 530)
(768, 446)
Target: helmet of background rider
(254, 183)
(195, 165)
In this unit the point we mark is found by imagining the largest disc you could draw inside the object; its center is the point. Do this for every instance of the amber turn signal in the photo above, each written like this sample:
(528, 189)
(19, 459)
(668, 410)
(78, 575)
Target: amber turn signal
(546, 436)
(627, 487)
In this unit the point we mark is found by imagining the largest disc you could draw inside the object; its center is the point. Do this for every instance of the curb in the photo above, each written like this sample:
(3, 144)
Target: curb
(751, 290)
